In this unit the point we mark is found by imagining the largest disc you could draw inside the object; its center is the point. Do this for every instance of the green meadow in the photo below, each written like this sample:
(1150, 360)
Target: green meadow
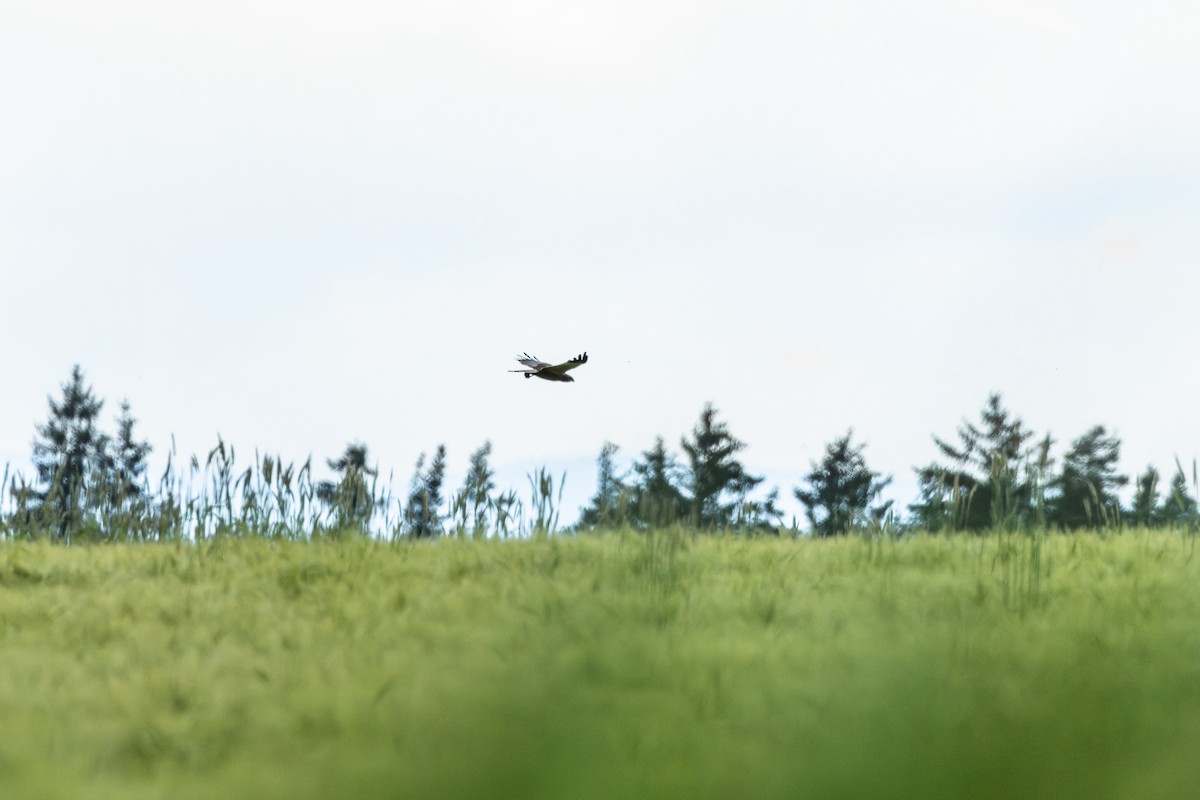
(603, 666)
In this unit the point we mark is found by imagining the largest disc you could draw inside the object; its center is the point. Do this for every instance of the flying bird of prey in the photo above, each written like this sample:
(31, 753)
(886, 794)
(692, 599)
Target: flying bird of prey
(550, 372)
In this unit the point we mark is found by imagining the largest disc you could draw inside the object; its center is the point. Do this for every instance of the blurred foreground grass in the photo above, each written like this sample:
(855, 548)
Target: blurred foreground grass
(616, 666)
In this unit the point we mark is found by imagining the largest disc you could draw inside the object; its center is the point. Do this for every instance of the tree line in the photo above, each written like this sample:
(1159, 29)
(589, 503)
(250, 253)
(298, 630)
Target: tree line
(993, 473)
(91, 485)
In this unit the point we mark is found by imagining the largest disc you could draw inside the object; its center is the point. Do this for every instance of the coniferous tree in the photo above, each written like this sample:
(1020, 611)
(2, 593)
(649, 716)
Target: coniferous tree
(984, 484)
(608, 507)
(127, 507)
(350, 499)
(1085, 492)
(656, 499)
(1145, 498)
(128, 460)
(841, 489)
(424, 511)
(68, 451)
(1179, 504)
(939, 505)
(713, 473)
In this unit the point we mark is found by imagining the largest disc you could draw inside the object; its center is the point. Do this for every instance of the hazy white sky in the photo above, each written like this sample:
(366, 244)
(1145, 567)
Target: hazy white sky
(300, 224)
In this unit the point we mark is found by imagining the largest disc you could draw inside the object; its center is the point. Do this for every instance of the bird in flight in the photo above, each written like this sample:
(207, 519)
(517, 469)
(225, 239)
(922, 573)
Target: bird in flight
(549, 372)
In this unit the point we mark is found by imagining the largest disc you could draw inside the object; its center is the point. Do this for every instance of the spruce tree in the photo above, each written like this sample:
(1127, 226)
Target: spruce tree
(608, 507)
(1145, 498)
(121, 492)
(68, 452)
(656, 499)
(1179, 504)
(350, 499)
(423, 513)
(128, 462)
(713, 473)
(841, 489)
(983, 484)
(1085, 492)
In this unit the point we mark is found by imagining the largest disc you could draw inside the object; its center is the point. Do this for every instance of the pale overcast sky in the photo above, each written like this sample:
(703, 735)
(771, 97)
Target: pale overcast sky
(300, 224)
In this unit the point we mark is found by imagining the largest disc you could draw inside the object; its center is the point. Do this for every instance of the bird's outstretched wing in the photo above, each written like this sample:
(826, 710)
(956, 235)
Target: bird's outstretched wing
(532, 364)
(566, 366)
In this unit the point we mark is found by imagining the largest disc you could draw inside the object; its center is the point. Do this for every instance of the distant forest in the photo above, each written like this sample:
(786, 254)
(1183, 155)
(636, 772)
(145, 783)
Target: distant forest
(994, 474)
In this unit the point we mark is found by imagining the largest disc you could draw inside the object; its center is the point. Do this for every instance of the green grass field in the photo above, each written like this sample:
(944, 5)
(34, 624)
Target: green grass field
(611, 666)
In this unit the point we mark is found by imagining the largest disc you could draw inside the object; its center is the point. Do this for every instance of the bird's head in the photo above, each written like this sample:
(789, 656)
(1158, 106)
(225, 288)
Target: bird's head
(568, 379)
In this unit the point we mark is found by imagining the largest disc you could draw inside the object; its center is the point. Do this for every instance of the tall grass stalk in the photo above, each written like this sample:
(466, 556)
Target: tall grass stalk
(545, 504)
